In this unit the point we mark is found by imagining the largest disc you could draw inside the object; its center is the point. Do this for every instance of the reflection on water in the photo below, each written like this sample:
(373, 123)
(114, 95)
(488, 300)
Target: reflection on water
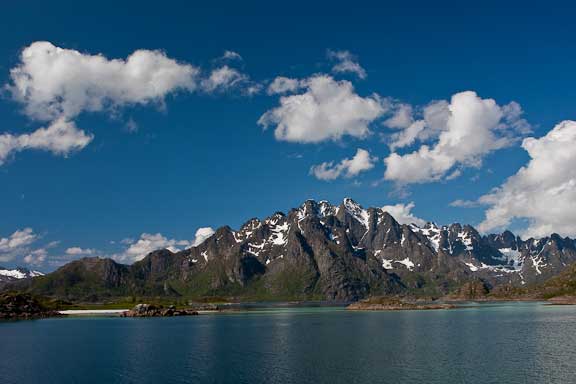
(499, 343)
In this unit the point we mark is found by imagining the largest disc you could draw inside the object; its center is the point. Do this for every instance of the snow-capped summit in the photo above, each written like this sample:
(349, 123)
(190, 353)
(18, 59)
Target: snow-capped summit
(356, 210)
(17, 274)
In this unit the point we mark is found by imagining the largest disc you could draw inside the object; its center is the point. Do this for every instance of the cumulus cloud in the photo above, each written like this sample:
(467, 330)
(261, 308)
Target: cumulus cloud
(403, 213)
(327, 110)
(78, 251)
(56, 85)
(283, 84)
(346, 62)
(362, 161)
(20, 239)
(434, 120)
(54, 82)
(402, 117)
(150, 242)
(223, 78)
(61, 137)
(467, 129)
(138, 249)
(36, 257)
(543, 192)
(201, 235)
(20, 244)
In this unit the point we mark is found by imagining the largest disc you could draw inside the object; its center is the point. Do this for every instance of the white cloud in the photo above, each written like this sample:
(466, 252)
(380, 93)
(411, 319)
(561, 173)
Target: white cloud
(402, 117)
(60, 137)
(36, 257)
(57, 85)
(403, 213)
(223, 78)
(327, 110)
(18, 239)
(434, 120)
(473, 128)
(231, 55)
(53, 82)
(362, 161)
(138, 249)
(283, 84)
(148, 243)
(77, 251)
(464, 204)
(543, 191)
(19, 244)
(201, 235)
(346, 62)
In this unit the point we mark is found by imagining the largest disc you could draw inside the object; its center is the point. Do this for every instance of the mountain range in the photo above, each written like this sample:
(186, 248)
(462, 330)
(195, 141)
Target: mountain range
(320, 251)
(8, 275)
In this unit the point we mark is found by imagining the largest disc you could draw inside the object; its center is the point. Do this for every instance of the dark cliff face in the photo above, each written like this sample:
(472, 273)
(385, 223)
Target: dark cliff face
(322, 251)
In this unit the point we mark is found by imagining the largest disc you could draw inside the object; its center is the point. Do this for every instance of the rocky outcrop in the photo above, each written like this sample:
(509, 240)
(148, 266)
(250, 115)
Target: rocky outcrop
(394, 304)
(563, 300)
(22, 306)
(149, 310)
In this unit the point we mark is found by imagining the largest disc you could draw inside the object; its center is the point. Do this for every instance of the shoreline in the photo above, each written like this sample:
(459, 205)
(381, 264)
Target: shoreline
(352, 307)
(90, 312)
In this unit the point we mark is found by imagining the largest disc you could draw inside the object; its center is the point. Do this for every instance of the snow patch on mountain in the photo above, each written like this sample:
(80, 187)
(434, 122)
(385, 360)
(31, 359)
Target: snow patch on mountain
(431, 231)
(279, 234)
(356, 211)
(387, 263)
(466, 239)
(19, 273)
(512, 257)
(407, 263)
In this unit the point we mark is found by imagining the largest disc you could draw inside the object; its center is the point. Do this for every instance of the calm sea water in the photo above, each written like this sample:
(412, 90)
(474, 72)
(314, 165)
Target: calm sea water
(504, 343)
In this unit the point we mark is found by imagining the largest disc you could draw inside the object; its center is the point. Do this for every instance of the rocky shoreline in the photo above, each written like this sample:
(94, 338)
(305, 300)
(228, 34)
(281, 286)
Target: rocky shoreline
(149, 310)
(23, 307)
(393, 304)
(563, 300)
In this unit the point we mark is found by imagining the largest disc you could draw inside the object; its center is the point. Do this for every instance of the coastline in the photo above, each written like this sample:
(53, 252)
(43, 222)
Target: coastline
(371, 304)
(91, 312)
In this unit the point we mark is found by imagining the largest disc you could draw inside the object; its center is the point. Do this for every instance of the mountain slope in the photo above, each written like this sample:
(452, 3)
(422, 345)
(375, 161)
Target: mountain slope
(321, 251)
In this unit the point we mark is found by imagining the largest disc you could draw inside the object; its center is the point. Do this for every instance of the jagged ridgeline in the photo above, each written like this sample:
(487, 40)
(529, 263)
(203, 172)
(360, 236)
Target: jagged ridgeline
(320, 251)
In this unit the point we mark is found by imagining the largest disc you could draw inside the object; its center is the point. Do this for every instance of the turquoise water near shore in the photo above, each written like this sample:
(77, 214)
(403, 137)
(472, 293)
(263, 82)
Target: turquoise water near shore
(488, 343)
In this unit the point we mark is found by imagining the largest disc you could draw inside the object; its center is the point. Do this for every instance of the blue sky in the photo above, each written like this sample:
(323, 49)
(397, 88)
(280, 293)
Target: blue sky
(200, 158)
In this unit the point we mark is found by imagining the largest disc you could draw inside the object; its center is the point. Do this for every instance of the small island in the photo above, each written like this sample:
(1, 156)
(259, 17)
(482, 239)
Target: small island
(149, 310)
(394, 304)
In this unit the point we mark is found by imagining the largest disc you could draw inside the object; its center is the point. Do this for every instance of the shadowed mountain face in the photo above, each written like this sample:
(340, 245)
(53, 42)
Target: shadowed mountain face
(320, 251)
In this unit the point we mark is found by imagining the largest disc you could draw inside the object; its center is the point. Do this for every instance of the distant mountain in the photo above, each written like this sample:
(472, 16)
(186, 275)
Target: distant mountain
(17, 274)
(321, 251)
(8, 275)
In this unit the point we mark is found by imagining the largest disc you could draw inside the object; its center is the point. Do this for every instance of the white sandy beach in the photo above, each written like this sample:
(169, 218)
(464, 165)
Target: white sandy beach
(92, 311)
